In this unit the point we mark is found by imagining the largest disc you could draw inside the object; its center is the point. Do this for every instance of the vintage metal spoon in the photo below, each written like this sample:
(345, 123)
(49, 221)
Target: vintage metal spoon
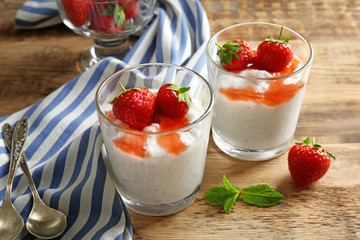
(11, 223)
(43, 222)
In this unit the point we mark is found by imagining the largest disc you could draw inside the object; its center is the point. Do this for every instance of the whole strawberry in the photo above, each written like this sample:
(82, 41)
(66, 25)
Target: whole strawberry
(307, 164)
(123, 3)
(173, 100)
(77, 11)
(107, 18)
(135, 107)
(131, 9)
(274, 55)
(235, 55)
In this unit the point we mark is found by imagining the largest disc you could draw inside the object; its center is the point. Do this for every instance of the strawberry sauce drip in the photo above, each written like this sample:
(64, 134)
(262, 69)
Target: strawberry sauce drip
(133, 144)
(277, 93)
(136, 144)
(171, 142)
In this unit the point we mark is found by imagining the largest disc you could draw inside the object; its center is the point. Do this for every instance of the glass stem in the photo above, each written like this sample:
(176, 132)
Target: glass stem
(106, 48)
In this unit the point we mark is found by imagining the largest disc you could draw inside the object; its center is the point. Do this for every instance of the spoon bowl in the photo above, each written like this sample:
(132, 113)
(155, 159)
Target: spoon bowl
(11, 223)
(43, 222)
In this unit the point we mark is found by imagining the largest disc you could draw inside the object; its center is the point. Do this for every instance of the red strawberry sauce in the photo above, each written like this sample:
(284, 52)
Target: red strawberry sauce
(277, 93)
(136, 144)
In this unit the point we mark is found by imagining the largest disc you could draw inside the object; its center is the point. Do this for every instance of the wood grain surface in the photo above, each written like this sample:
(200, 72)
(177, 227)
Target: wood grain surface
(33, 63)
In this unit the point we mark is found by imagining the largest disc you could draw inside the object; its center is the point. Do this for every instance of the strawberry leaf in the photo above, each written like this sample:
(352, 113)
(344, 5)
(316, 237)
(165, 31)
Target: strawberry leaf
(270, 39)
(184, 89)
(109, 11)
(187, 99)
(119, 16)
(183, 95)
(330, 155)
(314, 145)
(174, 87)
(228, 51)
(306, 142)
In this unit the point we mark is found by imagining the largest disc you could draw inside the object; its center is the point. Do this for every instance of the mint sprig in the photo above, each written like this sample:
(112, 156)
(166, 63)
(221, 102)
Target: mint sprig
(261, 195)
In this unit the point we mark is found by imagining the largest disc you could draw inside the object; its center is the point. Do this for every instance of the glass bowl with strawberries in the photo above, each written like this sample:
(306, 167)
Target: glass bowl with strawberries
(259, 73)
(108, 22)
(155, 121)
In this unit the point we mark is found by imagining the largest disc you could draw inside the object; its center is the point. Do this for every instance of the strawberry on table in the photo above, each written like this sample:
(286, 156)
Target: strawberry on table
(274, 55)
(135, 107)
(235, 55)
(173, 100)
(77, 11)
(108, 18)
(307, 164)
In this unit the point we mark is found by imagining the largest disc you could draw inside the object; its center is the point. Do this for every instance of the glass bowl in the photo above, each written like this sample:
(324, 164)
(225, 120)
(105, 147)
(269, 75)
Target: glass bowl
(108, 22)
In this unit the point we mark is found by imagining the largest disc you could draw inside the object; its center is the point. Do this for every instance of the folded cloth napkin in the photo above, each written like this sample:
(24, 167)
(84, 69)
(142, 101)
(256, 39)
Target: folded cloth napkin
(37, 14)
(63, 147)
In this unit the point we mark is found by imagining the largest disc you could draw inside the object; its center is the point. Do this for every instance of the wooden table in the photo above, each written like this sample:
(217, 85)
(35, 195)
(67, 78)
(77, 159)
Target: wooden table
(33, 63)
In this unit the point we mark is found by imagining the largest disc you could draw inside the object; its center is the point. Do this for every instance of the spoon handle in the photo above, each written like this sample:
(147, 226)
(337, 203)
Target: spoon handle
(8, 130)
(17, 144)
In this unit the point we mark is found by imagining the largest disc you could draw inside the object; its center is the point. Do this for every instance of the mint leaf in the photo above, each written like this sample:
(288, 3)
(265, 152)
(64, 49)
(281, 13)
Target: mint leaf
(225, 195)
(230, 201)
(229, 186)
(261, 195)
(217, 195)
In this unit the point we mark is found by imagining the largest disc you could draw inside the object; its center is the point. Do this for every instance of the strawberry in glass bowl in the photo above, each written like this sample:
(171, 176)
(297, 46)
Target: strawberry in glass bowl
(108, 22)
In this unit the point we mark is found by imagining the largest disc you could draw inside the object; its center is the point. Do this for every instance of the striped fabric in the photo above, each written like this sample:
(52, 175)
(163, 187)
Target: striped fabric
(37, 14)
(63, 148)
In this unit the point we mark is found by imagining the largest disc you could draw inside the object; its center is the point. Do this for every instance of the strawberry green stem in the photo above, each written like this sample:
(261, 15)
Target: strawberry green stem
(281, 31)
(122, 87)
(220, 46)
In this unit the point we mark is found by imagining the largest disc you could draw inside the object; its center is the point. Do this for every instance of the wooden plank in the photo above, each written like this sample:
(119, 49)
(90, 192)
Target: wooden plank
(34, 63)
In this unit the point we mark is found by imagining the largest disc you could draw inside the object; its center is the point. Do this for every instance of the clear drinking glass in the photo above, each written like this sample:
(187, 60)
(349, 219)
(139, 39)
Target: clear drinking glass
(255, 114)
(108, 22)
(156, 173)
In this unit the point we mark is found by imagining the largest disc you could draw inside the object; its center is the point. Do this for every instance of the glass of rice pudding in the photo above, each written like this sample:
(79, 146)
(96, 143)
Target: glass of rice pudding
(257, 106)
(157, 169)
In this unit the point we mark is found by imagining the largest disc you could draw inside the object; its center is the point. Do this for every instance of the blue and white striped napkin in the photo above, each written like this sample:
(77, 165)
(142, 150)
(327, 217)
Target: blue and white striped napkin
(37, 14)
(63, 148)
